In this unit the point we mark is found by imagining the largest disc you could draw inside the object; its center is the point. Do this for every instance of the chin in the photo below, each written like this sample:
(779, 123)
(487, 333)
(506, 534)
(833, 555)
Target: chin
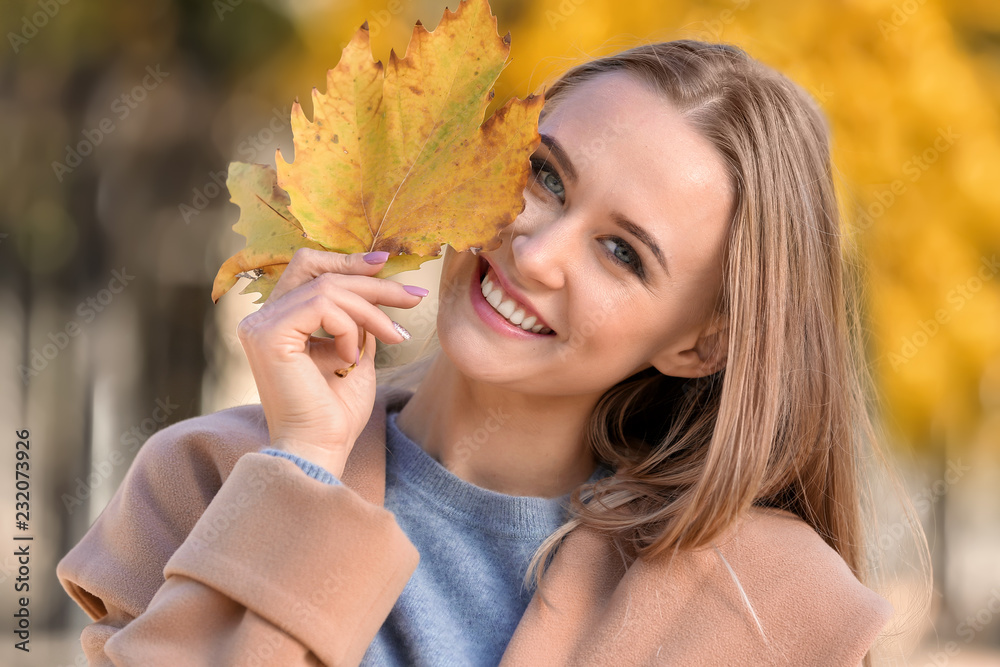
(468, 350)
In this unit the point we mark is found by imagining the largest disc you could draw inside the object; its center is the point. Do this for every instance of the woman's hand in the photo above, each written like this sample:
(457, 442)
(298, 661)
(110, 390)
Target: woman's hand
(310, 411)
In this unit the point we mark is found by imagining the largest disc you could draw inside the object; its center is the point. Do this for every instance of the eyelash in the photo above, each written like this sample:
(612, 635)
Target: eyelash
(538, 165)
(635, 267)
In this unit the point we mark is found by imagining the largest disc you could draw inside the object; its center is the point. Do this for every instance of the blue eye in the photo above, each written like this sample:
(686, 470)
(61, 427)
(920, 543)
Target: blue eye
(618, 250)
(624, 254)
(544, 174)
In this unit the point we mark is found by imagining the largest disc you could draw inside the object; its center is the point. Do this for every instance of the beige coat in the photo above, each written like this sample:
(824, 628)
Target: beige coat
(212, 553)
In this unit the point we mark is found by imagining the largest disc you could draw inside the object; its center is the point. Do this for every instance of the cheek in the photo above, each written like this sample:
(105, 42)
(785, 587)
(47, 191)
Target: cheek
(452, 262)
(537, 210)
(623, 328)
(605, 326)
(454, 270)
(602, 350)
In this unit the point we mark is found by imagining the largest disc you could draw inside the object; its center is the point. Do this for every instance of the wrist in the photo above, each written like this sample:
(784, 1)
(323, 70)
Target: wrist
(331, 461)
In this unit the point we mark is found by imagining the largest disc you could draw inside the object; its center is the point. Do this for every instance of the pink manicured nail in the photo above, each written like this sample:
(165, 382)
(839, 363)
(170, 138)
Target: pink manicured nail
(415, 291)
(402, 332)
(376, 257)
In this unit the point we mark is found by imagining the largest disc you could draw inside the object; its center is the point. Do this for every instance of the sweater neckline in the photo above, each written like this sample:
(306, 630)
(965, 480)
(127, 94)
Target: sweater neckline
(499, 514)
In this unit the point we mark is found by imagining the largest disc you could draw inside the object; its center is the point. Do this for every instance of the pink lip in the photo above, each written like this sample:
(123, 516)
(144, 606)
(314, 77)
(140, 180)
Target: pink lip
(529, 309)
(492, 318)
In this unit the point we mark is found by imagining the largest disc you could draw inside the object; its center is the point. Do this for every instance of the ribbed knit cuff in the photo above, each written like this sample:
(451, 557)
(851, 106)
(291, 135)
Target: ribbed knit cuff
(308, 467)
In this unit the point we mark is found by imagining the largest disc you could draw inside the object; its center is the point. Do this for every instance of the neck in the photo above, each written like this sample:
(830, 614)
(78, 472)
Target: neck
(499, 439)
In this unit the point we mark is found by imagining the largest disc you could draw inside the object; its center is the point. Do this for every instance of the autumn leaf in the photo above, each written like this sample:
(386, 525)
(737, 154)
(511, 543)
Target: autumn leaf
(272, 232)
(396, 158)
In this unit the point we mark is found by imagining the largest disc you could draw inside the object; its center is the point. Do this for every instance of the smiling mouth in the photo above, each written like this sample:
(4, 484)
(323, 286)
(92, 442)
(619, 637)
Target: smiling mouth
(507, 306)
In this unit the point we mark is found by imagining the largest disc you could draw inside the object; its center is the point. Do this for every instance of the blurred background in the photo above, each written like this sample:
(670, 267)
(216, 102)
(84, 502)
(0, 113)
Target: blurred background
(119, 121)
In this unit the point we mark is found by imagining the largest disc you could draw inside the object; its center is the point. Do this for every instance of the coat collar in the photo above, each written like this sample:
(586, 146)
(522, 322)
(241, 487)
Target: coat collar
(598, 605)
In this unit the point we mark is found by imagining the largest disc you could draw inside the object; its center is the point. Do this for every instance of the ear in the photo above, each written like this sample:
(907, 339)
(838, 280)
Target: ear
(706, 356)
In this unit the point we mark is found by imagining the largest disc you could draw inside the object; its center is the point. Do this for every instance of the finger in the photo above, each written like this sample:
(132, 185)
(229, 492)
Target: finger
(328, 353)
(318, 313)
(367, 316)
(308, 263)
(376, 291)
(342, 302)
(369, 355)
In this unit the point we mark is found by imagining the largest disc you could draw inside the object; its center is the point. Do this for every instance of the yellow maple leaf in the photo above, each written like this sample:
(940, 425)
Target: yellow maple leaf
(396, 158)
(272, 232)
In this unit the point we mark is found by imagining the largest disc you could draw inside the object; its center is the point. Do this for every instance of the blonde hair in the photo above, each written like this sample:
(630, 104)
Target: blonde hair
(786, 423)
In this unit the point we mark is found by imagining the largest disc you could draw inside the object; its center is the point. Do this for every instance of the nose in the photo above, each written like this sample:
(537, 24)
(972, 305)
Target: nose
(541, 250)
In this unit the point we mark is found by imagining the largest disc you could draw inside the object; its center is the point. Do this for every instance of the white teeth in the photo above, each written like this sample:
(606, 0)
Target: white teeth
(509, 309)
(506, 308)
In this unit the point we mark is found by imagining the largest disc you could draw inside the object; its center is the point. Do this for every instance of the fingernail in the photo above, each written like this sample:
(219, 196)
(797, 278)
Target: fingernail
(402, 332)
(415, 291)
(376, 257)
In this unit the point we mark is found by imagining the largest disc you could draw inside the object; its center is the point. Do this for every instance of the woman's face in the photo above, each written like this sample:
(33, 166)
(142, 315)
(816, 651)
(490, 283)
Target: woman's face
(618, 252)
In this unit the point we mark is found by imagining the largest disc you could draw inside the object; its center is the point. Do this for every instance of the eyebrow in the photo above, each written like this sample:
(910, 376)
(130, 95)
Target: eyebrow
(560, 154)
(643, 236)
(557, 150)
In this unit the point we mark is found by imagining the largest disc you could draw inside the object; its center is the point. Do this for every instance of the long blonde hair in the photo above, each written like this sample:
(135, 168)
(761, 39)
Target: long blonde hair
(774, 427)
(787, 422)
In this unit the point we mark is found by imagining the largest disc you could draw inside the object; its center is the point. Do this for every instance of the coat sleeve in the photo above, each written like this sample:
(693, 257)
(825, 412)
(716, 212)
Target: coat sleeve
(279, 569)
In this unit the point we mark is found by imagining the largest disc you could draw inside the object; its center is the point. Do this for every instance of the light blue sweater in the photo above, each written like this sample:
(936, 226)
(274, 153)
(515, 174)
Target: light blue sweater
(465, 598)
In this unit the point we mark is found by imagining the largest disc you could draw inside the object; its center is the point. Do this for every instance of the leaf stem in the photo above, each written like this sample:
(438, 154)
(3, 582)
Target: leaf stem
(342, 372)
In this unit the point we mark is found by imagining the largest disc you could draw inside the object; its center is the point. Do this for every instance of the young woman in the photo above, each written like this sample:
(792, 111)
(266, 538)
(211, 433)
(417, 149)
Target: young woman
(647, 408)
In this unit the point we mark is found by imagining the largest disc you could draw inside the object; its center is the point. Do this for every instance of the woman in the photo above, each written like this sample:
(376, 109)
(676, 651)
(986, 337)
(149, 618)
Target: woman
(661, 338)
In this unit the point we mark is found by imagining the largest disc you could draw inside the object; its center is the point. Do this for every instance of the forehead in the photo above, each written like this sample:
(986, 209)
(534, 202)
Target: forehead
(633, 150)
(616, 110)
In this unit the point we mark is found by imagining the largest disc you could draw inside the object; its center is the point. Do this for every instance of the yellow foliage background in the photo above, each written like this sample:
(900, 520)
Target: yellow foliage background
(893, 78)
(911, 89)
